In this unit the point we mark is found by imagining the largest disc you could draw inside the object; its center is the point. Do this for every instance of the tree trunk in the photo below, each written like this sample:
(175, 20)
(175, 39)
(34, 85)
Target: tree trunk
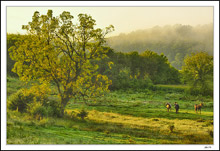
(64, 102)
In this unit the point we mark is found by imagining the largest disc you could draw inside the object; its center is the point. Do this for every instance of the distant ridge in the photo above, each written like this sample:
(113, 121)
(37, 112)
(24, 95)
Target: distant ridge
(175, 41)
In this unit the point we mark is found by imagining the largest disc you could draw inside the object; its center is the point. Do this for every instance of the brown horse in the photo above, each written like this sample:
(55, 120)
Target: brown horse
(168, 106)
(198, 107)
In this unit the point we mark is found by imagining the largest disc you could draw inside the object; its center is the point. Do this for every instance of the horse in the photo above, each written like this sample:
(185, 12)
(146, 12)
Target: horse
(198, 107)
(168, 106)
(176, 107)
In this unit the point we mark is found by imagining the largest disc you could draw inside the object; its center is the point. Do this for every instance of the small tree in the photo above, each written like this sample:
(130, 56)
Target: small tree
(198, 72)
(58, 51)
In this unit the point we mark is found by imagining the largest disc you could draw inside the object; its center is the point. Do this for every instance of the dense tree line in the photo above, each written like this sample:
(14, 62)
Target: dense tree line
(176, 42)
(134, 70)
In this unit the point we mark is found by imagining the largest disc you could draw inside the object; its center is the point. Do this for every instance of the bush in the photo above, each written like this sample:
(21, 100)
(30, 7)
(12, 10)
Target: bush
(19, 100)
(210, 133)
(200, 120)
(37, 110)
(209, 105)
(193, 91)
(26, 100)
(200, 91)
(52, 106)
(171, 128)
(48, 107)
(82, 114)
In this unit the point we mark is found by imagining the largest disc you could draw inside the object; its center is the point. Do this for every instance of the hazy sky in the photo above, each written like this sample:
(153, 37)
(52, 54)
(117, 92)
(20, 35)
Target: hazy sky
(125, 19)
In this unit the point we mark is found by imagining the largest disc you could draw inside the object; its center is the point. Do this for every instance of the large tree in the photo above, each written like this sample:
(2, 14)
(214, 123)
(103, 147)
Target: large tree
(11, 40)
(198, 72)
(61, 52)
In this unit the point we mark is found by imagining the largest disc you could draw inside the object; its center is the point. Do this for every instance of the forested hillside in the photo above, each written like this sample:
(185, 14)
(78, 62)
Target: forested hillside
(175, 41)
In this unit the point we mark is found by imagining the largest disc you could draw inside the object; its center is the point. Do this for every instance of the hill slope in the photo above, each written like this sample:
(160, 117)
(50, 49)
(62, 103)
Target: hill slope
(175, 41)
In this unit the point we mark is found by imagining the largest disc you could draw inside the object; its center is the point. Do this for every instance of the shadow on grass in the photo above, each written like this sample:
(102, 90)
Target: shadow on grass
(76, 131)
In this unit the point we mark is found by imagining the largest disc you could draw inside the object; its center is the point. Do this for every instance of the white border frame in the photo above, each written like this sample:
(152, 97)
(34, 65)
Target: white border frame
(4, 4)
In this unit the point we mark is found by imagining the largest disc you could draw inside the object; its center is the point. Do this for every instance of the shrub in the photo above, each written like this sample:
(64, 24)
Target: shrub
(171, 128)
(37, 110)
(53, 106)
(209, 105)
(200, 91)
(200, 120)
(48, 107)
(35, 102)
(210, 132)
(82, 114)
(20, 100)
(155, 119)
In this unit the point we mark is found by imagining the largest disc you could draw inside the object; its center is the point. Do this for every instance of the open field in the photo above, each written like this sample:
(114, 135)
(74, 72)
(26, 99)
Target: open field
(120, 117)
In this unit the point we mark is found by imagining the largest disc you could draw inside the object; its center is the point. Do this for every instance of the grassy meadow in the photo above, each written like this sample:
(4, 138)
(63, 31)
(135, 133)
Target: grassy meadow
(119, 117)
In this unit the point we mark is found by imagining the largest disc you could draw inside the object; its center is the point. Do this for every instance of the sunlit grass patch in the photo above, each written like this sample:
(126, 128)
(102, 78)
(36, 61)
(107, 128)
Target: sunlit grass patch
(160, 124)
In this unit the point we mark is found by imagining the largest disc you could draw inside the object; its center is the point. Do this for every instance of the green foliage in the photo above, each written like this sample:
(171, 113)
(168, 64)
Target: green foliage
(52, 106)
(19, 101)
(56, 50)
(198, 72)
(209, 104)
(37, 110)
(35, 102)
(11, 41)
(137, 71)
(124, 80)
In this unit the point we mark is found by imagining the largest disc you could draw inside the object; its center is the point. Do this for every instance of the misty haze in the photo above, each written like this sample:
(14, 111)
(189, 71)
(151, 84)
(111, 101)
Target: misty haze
(174, 41)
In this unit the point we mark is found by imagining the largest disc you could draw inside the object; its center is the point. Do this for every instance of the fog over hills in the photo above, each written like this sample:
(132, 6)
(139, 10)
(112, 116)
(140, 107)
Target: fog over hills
(175, 41)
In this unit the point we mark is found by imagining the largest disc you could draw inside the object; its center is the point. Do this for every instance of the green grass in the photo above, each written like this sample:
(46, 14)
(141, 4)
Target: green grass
(137, 104)
(120, 117)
